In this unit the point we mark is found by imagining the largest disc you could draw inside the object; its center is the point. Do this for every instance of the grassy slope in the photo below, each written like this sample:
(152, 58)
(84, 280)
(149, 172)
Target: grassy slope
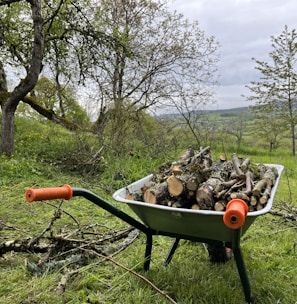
(268, 246)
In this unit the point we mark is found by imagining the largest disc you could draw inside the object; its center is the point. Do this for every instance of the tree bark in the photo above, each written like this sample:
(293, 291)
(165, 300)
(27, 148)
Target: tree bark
(8, 130)
(10, 104)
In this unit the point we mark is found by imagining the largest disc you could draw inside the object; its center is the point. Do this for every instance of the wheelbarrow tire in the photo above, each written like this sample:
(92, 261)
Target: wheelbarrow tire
(219, 253)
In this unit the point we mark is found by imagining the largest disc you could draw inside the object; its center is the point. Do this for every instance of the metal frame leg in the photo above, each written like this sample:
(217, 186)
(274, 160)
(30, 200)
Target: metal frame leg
(241, 267)
(171, 252)
(148, 251)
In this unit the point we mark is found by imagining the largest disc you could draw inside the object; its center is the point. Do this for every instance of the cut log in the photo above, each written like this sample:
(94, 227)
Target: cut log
(175, 186)
(259, 207)
(176, 170)
(223, 157)
(205, 194)
(248, 182)
(186, 157)
(135, 196)
(253, 201)
(192, 182)
(266, 195)
(220, 205)
(240, 195)
(270, 176)
(236, 164)
(156, 194)
(147, 186)
(245, 164)
(258, 188)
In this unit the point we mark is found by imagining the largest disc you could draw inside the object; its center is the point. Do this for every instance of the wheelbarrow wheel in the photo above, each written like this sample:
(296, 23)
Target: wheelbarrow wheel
(219, 252)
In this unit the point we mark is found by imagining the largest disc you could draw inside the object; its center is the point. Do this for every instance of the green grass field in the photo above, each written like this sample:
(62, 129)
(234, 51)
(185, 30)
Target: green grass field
(269, 246)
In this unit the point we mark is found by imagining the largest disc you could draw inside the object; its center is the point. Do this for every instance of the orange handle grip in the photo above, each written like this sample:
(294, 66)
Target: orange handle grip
(235, 214)
(64, 192)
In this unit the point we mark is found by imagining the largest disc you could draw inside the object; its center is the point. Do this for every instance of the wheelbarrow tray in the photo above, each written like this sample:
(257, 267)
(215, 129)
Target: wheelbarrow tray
(203, 224)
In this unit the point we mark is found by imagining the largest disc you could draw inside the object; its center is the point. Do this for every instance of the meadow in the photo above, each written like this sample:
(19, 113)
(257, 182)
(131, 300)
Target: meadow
(46, 157)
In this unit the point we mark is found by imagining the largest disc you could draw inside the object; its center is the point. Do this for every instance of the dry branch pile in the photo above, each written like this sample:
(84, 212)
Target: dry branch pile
(196, 181)
(68, 250)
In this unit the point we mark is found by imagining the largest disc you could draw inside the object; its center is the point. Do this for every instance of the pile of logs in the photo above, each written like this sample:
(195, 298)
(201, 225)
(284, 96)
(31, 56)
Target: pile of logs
(195, 181)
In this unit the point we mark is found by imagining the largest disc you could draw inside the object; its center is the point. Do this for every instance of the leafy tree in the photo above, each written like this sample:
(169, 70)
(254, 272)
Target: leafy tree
(236, 127)
(277, 88)
(58, 100)
(155, 57)
(268, 125)
(34, 34)
(133, 52)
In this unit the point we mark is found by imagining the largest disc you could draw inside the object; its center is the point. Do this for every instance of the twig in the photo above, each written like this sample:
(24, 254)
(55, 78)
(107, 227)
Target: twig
(62, 210)
(134, 273)
(56, 216)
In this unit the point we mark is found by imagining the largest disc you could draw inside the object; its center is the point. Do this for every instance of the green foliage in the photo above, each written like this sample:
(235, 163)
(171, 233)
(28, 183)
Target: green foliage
(275, 93)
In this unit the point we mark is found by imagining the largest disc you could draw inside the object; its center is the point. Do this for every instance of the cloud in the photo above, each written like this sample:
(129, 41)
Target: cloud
(244, 29)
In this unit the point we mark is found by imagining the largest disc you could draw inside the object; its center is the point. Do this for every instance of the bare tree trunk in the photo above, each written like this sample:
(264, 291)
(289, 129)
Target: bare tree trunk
(7, 131)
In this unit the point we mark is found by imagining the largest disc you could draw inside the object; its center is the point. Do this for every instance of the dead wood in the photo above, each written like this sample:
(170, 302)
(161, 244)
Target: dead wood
(248, 182)
(237, 164)
(220, 205)
(258, 188)
(175, 186)
(196, 181)
(245, 164)
(156, 194)
(266, 195)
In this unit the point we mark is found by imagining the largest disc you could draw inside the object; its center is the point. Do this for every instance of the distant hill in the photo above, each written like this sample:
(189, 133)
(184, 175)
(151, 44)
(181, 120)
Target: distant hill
(232, 110)
(226, 112)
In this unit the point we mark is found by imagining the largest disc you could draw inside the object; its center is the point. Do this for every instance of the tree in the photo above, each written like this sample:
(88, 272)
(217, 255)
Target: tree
(268, 125)
(236, 127)
(133, 52)
(28, 43)
(155, 57)
(33, 65)
(277, 88)
(57, 99)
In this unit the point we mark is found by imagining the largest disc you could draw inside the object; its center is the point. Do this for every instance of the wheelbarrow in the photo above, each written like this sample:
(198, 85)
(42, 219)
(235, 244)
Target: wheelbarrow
(210, 227)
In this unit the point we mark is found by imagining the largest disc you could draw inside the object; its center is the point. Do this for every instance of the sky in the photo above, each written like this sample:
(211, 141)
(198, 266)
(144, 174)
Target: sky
(244, 29)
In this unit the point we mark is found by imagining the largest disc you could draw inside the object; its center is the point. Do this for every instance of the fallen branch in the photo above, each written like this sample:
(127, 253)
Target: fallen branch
(134, 273)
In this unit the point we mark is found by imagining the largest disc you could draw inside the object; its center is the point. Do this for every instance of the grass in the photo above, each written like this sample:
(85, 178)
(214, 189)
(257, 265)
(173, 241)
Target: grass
(268, 246)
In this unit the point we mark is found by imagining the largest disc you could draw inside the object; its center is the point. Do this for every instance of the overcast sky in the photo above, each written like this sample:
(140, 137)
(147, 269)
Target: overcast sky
(243, 29)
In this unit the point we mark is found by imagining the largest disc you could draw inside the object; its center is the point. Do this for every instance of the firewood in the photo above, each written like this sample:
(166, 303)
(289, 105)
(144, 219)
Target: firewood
(240, 195)
(192, 182)
(186, 157)
(270, 176)
(147, 186)
(223, 157)
(224, 185)
(156, 194)
(236, 164)
(220, 205)
(258, 188)
(259, 207)
(253, 201)
(176, 170)
(245, 164)
(195, 181)
(135, 196)
(221, 194)
(248, 182)
(175, 186)
(205, 195)
(266, 195)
